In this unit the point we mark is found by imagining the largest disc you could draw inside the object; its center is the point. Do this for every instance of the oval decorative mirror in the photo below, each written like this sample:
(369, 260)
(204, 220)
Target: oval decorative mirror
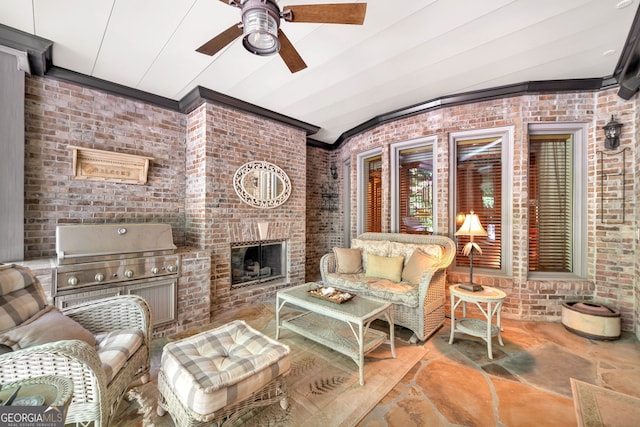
(262, 184)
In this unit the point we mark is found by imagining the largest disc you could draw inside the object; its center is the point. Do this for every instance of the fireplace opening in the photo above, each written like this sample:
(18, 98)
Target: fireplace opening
(257, 262)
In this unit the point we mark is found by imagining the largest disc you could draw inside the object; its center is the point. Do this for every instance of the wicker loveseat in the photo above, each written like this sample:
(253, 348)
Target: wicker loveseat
(102, 346)
(418, 295)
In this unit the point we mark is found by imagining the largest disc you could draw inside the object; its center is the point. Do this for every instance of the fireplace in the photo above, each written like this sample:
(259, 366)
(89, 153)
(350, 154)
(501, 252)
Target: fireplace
(257, 262)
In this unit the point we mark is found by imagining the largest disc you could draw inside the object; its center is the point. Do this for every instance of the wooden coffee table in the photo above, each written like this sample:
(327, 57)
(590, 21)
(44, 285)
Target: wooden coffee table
(342, 327)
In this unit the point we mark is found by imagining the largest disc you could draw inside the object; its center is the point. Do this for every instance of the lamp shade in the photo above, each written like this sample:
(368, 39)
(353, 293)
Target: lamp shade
(471, 226)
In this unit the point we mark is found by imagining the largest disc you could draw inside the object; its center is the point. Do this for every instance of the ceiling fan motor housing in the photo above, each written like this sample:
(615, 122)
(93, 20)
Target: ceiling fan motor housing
(260, 22)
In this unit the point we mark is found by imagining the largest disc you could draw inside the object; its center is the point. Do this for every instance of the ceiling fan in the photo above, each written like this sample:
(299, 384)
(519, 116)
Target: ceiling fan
(260, 27)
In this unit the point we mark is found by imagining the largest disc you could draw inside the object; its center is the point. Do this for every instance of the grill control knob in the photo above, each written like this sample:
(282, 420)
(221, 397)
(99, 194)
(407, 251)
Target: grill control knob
(155, 270)
(171, 268)
(128, 274)
(99, 277)
(72, 281)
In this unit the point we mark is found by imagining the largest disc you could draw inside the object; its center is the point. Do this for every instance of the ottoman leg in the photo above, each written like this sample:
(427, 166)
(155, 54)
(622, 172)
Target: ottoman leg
(284, 403)
(160, 408)
(282, 388)
(160, 411)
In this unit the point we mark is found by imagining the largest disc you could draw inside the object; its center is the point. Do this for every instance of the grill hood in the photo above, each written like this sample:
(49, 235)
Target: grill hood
(91, 240)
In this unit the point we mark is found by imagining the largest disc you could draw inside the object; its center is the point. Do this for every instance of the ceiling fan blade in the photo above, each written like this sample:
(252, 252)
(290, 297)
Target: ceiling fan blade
(214, 45)
(337, 13)
(289, 54)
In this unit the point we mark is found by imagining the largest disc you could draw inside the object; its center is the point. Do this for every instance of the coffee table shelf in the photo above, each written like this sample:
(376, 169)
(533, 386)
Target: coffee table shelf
(334, 333)
(342, 327)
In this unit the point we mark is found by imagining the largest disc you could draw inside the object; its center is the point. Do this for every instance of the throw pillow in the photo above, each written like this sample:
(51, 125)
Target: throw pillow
(384, 267)
(47, 326)
(348, 261)
(21, 294)
(375, 247)
(418, 263)
(406, 250)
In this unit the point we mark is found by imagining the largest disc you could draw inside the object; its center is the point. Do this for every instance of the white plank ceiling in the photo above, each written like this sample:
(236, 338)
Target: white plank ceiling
(407, 51)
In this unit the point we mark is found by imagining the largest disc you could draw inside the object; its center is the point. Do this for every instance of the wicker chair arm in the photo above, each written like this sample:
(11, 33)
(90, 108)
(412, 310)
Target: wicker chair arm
(114, 313)
(327, 265)
(435, 277)
(430, 281)
(73, 359)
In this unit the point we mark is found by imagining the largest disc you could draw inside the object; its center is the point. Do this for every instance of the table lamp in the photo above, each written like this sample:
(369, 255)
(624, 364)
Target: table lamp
(471, 227)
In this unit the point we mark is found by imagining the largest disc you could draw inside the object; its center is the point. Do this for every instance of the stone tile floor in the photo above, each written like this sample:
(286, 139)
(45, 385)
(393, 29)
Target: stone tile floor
(526, 383)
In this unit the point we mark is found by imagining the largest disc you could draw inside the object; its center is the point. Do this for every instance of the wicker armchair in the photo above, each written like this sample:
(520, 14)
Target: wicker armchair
(102, 372)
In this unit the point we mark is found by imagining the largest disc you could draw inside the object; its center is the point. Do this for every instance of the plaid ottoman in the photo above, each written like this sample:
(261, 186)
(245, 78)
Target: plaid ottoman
(218, 375)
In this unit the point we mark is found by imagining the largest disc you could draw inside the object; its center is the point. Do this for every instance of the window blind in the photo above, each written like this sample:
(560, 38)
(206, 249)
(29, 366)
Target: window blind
(374, 194)
(479, 189)
(416, 190)
(550, 203)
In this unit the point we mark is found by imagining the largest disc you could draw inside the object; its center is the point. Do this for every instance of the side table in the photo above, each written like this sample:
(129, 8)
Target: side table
(39, 391)
(484, 329)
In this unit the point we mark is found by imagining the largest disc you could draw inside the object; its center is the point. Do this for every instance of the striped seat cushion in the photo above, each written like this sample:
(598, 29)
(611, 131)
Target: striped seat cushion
(116, 347)
(219, 367)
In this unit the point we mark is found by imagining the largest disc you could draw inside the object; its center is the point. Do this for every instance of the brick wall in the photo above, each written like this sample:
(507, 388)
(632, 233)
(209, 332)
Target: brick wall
(635, 136)
(189, 181)
(219, 141)
(616, 218)
(613, 266)
(196, 155)
(57, 115)
(324, 209)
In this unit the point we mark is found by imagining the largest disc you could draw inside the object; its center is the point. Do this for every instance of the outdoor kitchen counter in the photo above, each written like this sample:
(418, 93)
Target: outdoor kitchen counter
(194, 281)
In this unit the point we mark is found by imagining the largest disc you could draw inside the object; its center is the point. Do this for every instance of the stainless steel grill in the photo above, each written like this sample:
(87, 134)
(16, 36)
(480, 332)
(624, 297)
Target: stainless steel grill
(95, 261)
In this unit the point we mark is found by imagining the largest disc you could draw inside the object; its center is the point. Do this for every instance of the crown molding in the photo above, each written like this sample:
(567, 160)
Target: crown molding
(518, 89)
(200, 94)
(37, 48)
(627, 71)
(111, 88)
(188, 103)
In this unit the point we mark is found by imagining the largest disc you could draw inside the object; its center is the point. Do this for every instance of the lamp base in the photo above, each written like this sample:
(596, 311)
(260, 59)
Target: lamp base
(473, 287)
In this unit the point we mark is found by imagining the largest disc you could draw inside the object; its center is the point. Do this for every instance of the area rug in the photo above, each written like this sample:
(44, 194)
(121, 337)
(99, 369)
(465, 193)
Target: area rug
(323, 386)
(597, 406)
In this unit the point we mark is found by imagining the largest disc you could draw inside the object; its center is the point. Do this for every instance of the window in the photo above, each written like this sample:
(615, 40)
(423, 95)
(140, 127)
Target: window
(370, 191)
(481, 183)
(412, 186)
(556, 196)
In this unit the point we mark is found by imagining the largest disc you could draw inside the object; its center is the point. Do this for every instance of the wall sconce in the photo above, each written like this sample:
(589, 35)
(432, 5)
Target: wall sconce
(334, 171)
(612, 131)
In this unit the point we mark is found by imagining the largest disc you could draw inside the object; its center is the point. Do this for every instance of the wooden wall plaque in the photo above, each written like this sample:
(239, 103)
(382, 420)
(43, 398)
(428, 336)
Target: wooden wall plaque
(99, 165)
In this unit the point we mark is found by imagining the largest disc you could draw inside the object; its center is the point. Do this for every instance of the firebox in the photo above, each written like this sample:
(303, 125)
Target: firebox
(257, 262)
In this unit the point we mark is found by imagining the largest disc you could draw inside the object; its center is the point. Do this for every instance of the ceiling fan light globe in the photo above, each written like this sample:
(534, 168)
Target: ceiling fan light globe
(260, 28)
(261, 43)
